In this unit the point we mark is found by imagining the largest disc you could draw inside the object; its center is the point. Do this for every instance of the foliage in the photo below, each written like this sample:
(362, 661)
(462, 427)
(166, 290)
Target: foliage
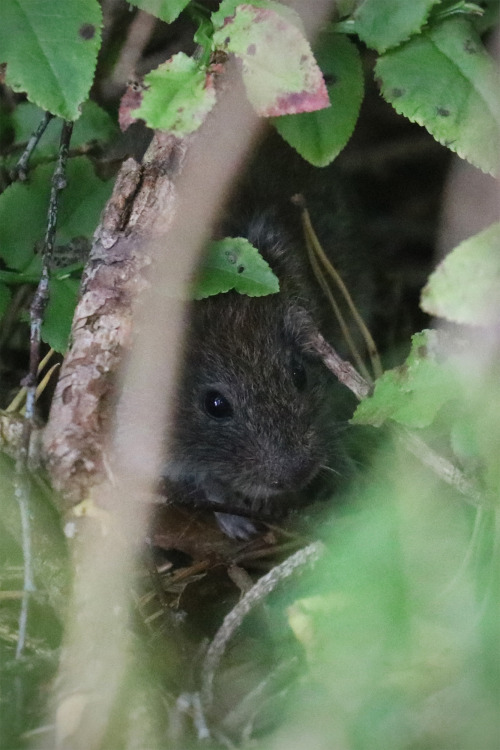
(283, 80)
(48, 560)
(233, 263)
(398, 624)
(177, 98)
(22, 231)
(465, 287)
(320, 136)
(412, 393)
(459, 107)
(57, 76)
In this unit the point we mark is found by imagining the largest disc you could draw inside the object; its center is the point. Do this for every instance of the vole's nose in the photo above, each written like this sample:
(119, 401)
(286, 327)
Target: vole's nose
(277, 485)
(293, 474)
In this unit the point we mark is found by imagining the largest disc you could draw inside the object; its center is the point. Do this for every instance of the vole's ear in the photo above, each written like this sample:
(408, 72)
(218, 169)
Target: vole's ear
(300, 329)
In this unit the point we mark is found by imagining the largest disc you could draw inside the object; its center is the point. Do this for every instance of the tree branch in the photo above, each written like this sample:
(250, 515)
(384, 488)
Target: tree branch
(295, 563)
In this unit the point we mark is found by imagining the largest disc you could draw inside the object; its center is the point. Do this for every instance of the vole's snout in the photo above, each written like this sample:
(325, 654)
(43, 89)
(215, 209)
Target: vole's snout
(277, 485)
(293, 473)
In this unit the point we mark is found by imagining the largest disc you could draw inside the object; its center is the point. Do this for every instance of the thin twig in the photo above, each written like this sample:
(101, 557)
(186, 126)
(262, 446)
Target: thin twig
(334, 274)
(41, 296)
(22, 486)
(20, 171)
(189, 703)
(444, 469)
(342, 369)
(18, 401)
(302, 558)
(336, 309)
(22, 493)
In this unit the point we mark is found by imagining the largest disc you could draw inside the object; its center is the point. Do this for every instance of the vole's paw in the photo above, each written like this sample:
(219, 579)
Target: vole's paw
(237, 527)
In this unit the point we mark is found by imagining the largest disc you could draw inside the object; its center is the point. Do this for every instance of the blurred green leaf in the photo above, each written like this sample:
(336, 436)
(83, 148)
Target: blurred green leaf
(51, 51)
(233, 263)
(413, 393)
(166, 10)
(5, 297)
(394, 621)
(58, 315)
(23, 210)
(25, 679)
(179, 98)
(382, 24)
(280, 73)
(94, 124)
(465, 287)
(320, 136)
(446, 81)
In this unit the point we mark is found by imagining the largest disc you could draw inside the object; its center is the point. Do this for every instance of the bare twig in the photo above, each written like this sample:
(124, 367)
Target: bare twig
(23, 494)
(17, 402)
(191, 703)
(316, 248)
(22, 486)
(342, 369)
(443, 468)
(333, 302)
(293, 564)
(41, 296)
(20, 170)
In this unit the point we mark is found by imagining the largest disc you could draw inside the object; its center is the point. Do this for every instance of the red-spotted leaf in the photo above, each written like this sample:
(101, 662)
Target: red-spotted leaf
(320, 136)
(129, 104)
(180, 96)
(227, 9)
(280, 73)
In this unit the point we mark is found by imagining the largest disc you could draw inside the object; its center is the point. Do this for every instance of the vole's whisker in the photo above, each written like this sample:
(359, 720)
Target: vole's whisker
(329, 468)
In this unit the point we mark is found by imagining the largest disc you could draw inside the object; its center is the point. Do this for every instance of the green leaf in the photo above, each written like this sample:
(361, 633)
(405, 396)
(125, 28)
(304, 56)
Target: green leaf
(465, 287)
(56, 327)
(5, 297)
(320, 136)
(227, 9)
(382, 24)
(94, 125)
(233, 263)
(445, 80)
(413, 393)
(279, 71)
(23, 210)
(28, 276)
(179, 98)
(166, 10)
(51, 51)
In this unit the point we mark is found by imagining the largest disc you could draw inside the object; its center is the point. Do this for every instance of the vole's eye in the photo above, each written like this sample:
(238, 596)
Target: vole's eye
(299, 375)
(216, 405)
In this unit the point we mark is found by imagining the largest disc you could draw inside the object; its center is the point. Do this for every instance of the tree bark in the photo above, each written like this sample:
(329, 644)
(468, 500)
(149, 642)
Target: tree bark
(140, 209)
